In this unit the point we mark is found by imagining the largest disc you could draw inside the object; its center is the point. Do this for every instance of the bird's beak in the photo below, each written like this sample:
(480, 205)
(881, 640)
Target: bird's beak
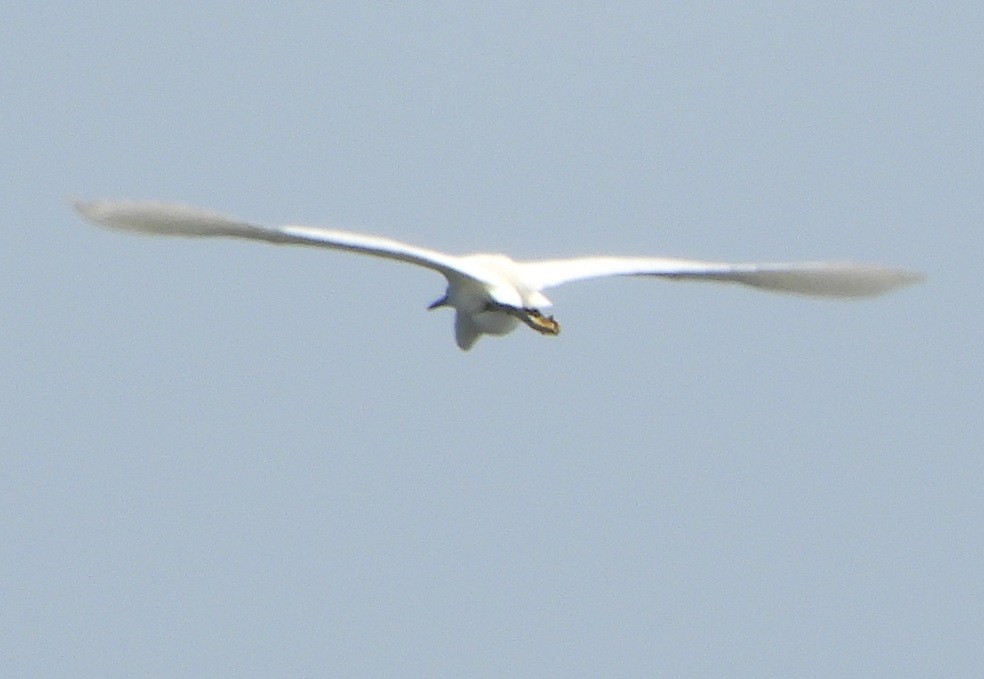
(439, 303)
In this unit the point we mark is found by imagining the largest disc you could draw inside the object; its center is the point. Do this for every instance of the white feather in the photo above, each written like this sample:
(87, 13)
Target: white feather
(493, 293)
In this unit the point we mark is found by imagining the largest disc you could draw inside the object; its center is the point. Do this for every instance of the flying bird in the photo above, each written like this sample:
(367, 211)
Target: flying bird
(493, 293)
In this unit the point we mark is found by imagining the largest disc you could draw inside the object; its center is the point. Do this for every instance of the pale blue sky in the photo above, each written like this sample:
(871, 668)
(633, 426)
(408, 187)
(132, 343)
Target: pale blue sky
(223, 458)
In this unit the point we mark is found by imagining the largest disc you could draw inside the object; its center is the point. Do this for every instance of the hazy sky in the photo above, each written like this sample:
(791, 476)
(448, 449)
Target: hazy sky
(225, 458)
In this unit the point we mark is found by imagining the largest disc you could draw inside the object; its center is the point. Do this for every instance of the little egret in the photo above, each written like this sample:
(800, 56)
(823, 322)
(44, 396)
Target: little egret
(491, 293)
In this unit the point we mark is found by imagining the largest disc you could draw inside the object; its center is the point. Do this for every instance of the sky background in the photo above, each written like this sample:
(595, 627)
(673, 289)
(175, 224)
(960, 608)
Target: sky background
(227, 458)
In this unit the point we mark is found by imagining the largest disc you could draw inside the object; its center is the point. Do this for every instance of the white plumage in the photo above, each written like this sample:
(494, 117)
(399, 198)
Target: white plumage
(490, 293)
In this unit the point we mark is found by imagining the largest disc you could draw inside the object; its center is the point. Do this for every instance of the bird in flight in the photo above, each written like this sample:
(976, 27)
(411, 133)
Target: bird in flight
(492, 293)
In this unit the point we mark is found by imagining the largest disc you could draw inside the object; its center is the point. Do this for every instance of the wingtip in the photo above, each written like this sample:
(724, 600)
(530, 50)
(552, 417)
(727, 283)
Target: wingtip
(899, 278)
(95, 211)
(913, 277)
(87, 209)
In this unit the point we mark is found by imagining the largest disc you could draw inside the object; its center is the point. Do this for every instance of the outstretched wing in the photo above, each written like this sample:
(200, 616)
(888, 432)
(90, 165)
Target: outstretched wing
(831, 279)
(182, 220)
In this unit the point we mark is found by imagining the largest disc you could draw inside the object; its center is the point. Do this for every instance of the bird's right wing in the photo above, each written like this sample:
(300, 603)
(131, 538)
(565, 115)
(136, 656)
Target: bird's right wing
(181, 220)
(830, 279)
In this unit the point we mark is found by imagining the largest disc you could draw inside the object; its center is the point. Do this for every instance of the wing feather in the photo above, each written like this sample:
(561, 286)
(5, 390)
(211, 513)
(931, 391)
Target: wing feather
(182, 220)
(831, 279)
(835, 279)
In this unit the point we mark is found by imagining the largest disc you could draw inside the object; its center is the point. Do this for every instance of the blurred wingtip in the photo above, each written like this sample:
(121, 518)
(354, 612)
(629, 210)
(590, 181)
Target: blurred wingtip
(88, 209)
(913, 277)
(899, 278)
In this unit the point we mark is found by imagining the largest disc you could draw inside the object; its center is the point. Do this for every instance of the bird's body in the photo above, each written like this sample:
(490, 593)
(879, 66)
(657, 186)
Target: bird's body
(492, 293)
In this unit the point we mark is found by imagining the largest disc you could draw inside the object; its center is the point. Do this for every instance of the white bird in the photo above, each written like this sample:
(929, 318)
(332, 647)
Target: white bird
(492, 293)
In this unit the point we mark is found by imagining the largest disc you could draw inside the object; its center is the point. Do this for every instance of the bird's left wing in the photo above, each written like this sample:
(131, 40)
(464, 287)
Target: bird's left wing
(830, 279)
(181, 220)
